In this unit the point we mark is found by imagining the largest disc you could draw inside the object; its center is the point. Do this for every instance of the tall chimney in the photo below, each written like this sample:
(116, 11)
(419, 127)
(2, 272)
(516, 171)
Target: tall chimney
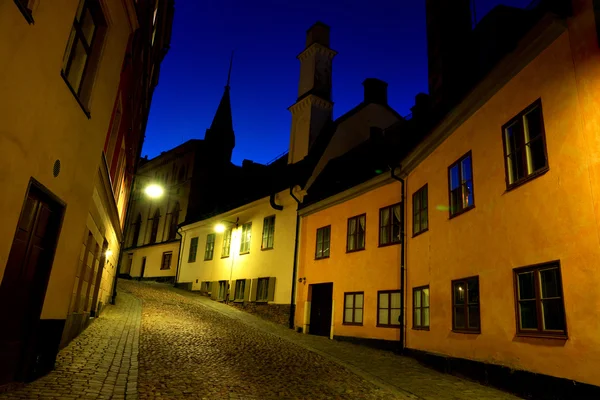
(375, 91)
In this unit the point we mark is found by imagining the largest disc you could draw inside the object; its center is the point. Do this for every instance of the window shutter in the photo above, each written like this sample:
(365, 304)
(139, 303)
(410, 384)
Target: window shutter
(247, 291)
(271, 289)
(253, 289)
(214, 290)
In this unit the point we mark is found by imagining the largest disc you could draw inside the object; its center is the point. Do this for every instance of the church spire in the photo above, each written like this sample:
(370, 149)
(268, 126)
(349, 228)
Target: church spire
(220, 134)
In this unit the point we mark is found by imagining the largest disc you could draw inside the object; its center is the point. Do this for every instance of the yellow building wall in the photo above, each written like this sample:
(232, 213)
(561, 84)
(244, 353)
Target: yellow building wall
(42, 122)
(276, 262)
(153, 256)
(369, 271)
(553, 217)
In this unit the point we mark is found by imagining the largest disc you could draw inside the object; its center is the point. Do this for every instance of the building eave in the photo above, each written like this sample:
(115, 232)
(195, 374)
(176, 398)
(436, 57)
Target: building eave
(105, 190)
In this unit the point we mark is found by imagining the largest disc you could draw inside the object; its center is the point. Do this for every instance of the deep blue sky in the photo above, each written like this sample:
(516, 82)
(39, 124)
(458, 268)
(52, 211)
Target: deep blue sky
(383, 39)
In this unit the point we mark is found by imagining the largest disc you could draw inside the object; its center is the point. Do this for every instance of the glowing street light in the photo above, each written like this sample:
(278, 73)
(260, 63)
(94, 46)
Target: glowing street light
(109, 253)
(154, 191)
(219, 228)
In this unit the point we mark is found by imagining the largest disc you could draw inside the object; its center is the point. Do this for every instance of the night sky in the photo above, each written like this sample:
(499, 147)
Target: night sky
(382, 39)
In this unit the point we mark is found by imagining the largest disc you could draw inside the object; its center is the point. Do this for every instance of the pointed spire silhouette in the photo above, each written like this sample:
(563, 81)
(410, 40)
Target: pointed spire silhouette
(221, 129)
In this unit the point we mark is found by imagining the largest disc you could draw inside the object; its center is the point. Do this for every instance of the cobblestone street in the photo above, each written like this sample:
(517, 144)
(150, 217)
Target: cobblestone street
(193, 347)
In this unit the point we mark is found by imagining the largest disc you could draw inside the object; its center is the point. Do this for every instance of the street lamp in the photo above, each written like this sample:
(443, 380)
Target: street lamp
(153, 191)
(220, 228)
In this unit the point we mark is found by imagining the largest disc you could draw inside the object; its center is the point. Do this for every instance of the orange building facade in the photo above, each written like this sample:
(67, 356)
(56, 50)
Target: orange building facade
(503, 247)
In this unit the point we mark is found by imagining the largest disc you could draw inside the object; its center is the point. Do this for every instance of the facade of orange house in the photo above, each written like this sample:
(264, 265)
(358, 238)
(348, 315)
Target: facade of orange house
(57, 183)
(502, 215)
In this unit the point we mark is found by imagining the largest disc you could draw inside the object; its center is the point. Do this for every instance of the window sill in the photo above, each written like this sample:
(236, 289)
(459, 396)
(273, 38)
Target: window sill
(420, 232)
(208, 259)
(540, 335)
(352, 323)
(420, 328)
(527, 179)
(165, 269)
(387, 326)
(244, 253)
(477, 332)
(354, 251)
(26, 12)
(262, 301)
(83, 108)
(464, 210)
(238, 300)
(390, 244)
(224, 257)
(321, 258)
(267, 248)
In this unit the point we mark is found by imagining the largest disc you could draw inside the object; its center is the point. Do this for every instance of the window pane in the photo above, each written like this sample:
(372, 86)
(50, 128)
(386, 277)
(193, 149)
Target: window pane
(77, 65)
(384, 235)
(424, 219)
(425, 316)
(87, 26)
(426, 297)
(384, 317)
(384, 300)
(513, 136)
(319, 252)
(455, 200)
(459, 293)
(319, 235)
(394, 315)
(360, 240)
(417, 316)
(526, 286)
(358, 315)
(358, 301)
(417, 203)
(352, 226)
(384, 217)
(454, 181)
(417, 298)
(466, 169)
(396, 297)
(459, 317)
(533, 120)
(528, 313)
(349, 301)
(549, 281)
(326, 249)
(536, 155)
(473, 316)
(396, 233)
(473, 288)
(467, 200)
(348, 315)
(553, 314)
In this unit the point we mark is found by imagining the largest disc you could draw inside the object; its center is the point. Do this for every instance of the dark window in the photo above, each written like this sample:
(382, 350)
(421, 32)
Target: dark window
(210, 247)
(460, 183)
(246, 237)
(353, 308)
(79, 63)
(389, 225)
(465, 305)
(154, 230)
(421, 307)
(420, 211)
(262, 289)
(193, 249)
(356, 233)
(25, 8)
(388, 305)
(268, 236)
(137, 225)
(240, 288)
(323, 240)
(226, 243)
(222, 290)
(166, 260)
(525, 145)
(174, 221)
(540, 307)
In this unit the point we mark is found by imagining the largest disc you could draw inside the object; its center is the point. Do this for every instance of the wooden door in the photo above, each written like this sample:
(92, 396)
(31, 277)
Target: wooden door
(320, 309)
(25, 281)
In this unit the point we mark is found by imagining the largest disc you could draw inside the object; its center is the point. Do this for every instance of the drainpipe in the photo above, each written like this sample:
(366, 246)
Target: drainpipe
(181, 237)
(272, 202)
(295, 267)
(402, 247)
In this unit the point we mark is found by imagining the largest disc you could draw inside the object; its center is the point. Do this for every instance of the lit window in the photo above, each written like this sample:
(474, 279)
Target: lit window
(210, 247)
(268, 236)
(465, 305)
(420, 211)
(323, 242)
(166, 260)
(246, 236)
(356, 233)
(226, 243)
(389, 225)
(240, 289)
(460, 183)
(353, 308)
(421, 308)
(388, 305)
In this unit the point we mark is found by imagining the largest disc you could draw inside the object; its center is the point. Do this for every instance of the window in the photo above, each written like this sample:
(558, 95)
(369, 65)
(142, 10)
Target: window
(460, 183)
(540, 307)
(388, 307)
(193, 249)
(353, 308)
(268, 233)
(154, 230)
(166, 260)
(206, 286)
(80, 62)
(222, 290)
(420, 214)
(174, 221)
(525, 145)
(465, 305)
(226, 243)
(356, 233)
(246, 236)
(262, 290)
(389, 225)
(210, 247)
(421, 307)
(323, 240)
(25, 6)
(137, 225)
(240, 288)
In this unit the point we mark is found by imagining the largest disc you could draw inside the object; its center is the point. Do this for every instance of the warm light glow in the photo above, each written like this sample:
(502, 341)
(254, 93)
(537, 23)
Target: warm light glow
(219, 228)
(154, 191)
(460, 288)
(109, 253)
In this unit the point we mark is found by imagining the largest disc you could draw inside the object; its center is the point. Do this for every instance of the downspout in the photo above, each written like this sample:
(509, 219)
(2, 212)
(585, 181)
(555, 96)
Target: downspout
(295, 267)
(181, 237)
(402, 247)
(272, 202)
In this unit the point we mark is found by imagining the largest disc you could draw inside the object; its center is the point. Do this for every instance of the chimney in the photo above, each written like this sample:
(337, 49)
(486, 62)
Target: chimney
(318, 33)
(422, 107)
(375, 91)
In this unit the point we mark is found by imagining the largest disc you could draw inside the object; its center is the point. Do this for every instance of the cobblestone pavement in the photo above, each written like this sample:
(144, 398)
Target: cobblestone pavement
(192, 347)
(101, 363)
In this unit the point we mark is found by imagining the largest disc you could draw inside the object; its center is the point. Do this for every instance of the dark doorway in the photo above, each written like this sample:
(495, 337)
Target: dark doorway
(128, 264)
(25, 281)
(320, 309)
(143, 267)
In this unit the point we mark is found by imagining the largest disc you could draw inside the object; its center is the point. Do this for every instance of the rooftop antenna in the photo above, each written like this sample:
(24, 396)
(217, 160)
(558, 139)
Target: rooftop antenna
(229, 74)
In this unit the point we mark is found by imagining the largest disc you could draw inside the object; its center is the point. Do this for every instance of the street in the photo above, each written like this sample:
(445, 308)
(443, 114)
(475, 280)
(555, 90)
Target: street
(161, 342)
